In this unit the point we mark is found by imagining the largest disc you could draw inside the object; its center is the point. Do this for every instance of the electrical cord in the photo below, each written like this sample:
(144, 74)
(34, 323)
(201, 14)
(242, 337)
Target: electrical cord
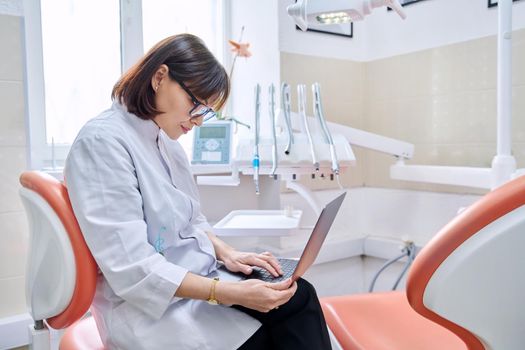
(411, 256)
(408, 251)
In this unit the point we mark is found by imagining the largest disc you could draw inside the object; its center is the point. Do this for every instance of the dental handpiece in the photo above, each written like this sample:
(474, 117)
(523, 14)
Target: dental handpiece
(256, 140)
(301, 107)
(271, 93)
(286, 107)
(318, 110)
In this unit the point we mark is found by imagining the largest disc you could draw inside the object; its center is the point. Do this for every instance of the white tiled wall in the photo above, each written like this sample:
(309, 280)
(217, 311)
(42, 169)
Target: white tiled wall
(13, 226)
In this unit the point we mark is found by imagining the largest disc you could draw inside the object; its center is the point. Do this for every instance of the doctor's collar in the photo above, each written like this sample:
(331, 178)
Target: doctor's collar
(148, 127)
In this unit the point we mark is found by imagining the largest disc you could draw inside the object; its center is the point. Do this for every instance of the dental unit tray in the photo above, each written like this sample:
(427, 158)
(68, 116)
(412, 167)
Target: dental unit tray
(259, 223)
(299, 161)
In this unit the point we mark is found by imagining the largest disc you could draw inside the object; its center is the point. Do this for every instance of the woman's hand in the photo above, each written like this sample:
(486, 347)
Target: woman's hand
(243, 262)
(256, 294)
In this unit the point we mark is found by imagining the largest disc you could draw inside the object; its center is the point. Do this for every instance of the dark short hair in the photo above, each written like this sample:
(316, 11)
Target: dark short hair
(188, 60)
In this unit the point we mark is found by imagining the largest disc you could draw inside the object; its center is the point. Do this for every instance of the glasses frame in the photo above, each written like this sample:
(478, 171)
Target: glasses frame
(208, 113)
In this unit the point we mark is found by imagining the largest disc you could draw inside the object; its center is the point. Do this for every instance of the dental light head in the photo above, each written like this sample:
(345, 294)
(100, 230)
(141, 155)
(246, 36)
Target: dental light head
(306, 12)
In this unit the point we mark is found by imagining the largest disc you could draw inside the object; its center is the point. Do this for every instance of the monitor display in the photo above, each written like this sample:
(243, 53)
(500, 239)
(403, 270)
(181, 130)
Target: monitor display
(212, 132)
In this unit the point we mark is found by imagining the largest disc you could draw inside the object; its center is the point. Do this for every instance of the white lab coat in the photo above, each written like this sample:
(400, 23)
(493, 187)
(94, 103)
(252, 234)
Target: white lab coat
(138, 207)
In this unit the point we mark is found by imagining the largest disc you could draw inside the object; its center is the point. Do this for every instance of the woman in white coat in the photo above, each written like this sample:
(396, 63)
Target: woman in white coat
(138, 207)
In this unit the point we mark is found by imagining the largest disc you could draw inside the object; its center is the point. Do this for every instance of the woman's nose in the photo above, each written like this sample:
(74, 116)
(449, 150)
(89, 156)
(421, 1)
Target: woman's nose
(197, 121)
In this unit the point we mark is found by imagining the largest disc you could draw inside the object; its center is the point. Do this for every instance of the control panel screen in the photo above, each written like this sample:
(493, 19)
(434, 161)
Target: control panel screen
(213, 132)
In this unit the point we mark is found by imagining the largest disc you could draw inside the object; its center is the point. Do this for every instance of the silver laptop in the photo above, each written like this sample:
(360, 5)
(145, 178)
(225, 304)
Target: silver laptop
(292, 267)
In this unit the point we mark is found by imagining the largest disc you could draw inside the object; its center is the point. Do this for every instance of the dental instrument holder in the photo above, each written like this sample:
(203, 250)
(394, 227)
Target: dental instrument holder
(271, 109)
(286, 109)
(318, 111)
(300, 159)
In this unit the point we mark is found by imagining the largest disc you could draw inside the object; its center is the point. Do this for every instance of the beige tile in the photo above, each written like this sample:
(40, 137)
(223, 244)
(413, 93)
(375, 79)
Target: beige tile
(481, 60)
(341, 83)
(13, 296)
(11, 56)
(468, 117)
(464, 66)
(407, 119)
(14, 234)
(518, 57)
(448, 69)
(381, 118)
(13, 160)
(346, 113)
(518, 113)
(381, 76)
(377, 170)
(413, 75)
(12, 119)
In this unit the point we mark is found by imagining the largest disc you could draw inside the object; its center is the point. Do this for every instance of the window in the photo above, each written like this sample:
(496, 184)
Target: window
(76, 50)
(81, 56)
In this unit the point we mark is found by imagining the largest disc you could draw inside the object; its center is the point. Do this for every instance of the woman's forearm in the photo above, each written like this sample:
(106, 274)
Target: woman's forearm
(222, 250)
(254, 294)
(198, 287)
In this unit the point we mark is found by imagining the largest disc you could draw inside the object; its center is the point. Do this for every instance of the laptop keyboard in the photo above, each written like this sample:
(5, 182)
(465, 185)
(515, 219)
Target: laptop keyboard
(287, 265)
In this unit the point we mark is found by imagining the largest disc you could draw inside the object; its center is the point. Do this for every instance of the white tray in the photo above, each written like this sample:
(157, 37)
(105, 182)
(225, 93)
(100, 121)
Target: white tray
(258, 223)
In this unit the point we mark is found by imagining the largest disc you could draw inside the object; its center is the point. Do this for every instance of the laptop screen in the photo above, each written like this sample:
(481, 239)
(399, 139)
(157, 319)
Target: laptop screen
(321, 229)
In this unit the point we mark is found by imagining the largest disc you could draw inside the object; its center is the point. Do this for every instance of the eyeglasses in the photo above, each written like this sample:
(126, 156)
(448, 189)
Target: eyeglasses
(199, 109)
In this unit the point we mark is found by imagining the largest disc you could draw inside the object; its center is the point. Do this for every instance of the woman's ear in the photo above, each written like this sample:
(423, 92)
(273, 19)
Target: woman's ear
(159, 75)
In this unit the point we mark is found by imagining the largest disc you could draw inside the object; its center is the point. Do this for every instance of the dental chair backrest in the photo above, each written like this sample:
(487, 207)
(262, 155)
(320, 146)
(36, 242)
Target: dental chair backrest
(61, 272)
(470, 277)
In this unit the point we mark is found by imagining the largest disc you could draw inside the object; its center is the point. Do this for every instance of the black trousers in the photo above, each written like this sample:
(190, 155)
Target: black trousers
(298, 324)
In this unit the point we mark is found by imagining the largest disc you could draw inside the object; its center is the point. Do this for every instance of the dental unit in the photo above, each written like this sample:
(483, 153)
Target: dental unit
(319, 146)
(503, 167)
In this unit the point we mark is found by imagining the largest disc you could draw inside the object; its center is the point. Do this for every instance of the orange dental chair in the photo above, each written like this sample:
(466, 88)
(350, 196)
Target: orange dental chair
(465, 289)
(61, 272)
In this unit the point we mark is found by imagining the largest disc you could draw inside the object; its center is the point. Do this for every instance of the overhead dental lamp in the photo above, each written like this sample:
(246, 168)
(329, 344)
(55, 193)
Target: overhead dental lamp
(306, 12)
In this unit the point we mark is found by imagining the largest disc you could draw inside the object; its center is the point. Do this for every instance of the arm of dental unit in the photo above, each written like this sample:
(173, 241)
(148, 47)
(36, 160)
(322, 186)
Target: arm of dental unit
(286, 107)
(318, 110)
(301, 99)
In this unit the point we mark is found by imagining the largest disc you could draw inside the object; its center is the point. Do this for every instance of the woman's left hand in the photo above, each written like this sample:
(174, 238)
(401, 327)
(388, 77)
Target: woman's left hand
(244, 262)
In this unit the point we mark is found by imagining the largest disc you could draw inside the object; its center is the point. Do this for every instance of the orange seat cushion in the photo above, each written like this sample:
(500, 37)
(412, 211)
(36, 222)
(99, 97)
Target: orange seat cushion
(384, 321)
(82, 335)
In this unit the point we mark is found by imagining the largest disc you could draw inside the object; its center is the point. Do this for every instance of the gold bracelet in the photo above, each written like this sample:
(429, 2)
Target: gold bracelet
(211, 299)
